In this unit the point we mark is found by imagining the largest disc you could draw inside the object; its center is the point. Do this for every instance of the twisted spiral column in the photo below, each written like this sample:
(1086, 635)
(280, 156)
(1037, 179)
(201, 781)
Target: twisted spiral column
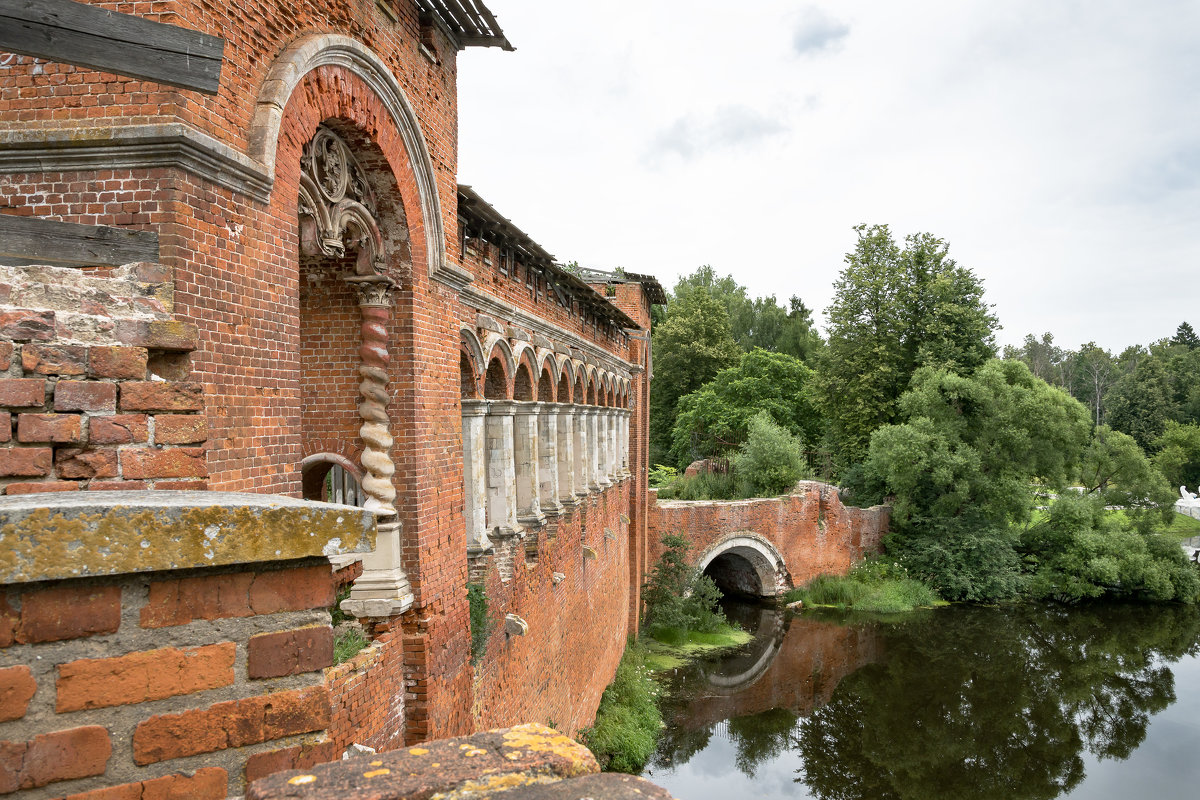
(375, 304)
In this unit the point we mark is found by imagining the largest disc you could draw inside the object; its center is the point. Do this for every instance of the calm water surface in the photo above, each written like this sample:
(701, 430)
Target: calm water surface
(1016, 703)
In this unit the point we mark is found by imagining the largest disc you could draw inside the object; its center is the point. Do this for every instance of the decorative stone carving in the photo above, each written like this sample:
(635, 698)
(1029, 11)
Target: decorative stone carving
(515, 626)
(336, 205)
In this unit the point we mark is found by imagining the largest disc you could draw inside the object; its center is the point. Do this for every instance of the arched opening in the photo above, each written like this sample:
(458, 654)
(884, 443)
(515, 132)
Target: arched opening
(522, 384)
(466, 377)
(546, 387)
(330, 478)
(563, 395)
(495, 382)
(578, 395)
(353, 242)
(746, 566)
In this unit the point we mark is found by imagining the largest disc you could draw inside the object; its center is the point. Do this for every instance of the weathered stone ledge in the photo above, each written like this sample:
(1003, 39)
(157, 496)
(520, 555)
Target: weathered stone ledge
(526, 762)
(71, 535)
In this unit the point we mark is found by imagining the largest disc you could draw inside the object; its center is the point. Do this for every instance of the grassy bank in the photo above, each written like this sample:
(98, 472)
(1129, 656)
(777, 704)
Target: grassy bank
(874, 586)
(628, 720)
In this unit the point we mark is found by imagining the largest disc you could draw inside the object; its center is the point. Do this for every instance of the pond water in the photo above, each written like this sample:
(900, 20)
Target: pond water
(1020, 702)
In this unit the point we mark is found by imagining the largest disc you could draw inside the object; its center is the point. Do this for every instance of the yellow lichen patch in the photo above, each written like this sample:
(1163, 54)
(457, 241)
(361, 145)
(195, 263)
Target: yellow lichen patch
(376, 763)
(465, 746)
(435, 765)
(514, 755)
(471, 753)
(540, 739)
(499, 783)
(301, 780)
(417, 751)
(375, 773)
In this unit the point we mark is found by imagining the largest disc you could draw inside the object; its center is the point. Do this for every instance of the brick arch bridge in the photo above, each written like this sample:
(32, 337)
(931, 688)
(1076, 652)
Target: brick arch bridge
(765, 546)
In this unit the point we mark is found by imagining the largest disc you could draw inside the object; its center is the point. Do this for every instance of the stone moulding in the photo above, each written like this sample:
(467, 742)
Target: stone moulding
(157, 145)
(79, 534)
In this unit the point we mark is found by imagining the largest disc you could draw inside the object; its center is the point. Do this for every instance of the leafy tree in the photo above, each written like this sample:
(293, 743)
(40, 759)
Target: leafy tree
(1140, 402)
(691, 346)
(894, 311)
(677, 600)
(1178, 456)
(771, 460)
(715, 418)
(1117, 473)
(1045, 359)
(1096, 372)
(1186, 337)
(726, 291)
(961, 466)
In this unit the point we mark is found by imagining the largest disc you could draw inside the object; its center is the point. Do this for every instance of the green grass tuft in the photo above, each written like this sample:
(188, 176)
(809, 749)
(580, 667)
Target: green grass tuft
(347, 644)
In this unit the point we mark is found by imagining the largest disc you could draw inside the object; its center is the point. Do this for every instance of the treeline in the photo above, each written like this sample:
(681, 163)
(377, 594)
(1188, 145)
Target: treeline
(906, 400)
(1150, 392)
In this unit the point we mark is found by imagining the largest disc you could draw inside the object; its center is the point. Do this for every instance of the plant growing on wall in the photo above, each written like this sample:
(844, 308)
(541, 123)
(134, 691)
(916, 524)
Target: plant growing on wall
(481, 623)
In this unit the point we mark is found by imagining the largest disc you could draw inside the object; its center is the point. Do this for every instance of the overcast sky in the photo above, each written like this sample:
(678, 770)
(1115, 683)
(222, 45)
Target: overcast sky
(1054, 144)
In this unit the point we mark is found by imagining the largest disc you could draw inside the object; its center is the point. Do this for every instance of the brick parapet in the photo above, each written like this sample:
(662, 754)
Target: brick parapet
(98, 672)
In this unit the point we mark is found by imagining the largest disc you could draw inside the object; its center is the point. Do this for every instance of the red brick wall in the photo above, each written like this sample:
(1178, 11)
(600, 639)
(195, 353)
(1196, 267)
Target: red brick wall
(94, 389)
(557, 671)
(813, 532)
(142, 681)
(271, 397)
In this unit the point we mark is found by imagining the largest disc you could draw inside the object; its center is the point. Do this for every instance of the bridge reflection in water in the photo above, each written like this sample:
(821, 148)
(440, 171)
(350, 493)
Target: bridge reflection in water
(1017, 702)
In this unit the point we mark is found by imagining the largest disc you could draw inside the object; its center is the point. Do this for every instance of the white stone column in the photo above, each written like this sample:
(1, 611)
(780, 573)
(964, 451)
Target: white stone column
(626, 414)
(474, 414)
(612, 425)
(525, 437)
(501, 469)
(547, 425)
(582, 464)
(596, 480)
(566, 455)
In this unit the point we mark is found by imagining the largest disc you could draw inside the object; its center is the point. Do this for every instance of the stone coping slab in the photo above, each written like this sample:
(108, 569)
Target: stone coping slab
(465, 767)
(53, 536)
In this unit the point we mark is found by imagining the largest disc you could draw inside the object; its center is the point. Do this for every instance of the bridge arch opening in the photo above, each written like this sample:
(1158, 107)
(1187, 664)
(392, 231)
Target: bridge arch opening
(746, 565)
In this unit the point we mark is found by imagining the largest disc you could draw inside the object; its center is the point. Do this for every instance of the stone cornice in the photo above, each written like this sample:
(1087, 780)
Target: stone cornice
(157, 145)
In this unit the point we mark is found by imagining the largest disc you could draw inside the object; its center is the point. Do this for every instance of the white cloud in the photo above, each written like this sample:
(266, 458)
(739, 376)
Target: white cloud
(1052, 144)
(817, 32)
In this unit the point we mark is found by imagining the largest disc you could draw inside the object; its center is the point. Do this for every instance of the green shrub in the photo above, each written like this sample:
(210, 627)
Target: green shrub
(704, 486)
(771, 460)
(481, 623)
(662, 476)
(1078, 551)
(628, 720)
(677, 599)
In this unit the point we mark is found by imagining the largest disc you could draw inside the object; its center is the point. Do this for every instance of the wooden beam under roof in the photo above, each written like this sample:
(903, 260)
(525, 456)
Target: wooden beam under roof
(123, 44)
(468, 22)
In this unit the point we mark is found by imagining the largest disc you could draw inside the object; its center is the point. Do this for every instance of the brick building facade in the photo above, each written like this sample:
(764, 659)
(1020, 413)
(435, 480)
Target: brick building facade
(327, 300)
